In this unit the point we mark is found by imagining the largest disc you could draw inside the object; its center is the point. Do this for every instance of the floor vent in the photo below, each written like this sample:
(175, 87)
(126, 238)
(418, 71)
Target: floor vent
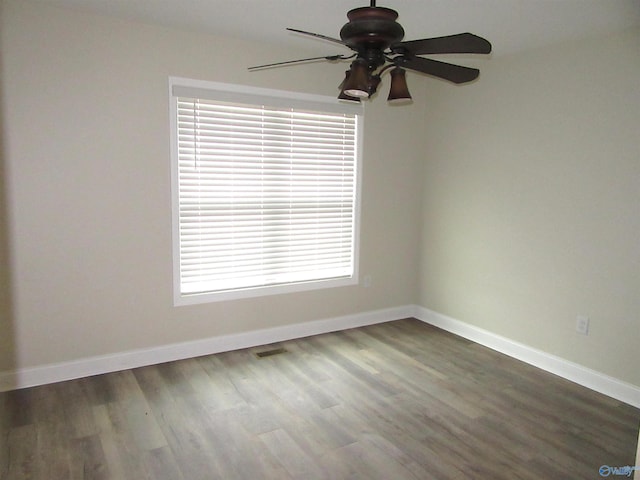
(269, 353)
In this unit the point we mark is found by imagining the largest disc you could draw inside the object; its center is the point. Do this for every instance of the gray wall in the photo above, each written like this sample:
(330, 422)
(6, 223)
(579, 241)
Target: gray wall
(531, 201)
(510, 204)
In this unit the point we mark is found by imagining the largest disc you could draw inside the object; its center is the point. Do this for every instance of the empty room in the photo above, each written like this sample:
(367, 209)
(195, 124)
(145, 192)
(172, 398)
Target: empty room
(319, 239)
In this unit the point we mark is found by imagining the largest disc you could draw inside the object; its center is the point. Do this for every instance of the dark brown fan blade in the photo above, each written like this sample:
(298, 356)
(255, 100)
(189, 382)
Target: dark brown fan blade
(317, 35)
(460, 43)
(331, 58)
(448, 71)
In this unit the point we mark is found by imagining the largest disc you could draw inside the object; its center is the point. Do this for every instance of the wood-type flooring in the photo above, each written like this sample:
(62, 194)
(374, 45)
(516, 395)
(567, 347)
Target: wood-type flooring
(399, 400)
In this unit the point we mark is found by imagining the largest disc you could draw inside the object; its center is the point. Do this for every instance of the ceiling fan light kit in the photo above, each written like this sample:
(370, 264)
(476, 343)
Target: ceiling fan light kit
(376, 38)
(399, 91)
(358, 80)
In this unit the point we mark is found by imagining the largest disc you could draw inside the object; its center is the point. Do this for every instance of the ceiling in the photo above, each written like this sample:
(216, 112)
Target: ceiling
(510, 25)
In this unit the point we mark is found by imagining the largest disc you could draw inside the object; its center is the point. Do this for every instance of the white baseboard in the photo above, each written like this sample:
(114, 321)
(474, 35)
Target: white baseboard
(44, 374)
(625, 392)
(85, 367)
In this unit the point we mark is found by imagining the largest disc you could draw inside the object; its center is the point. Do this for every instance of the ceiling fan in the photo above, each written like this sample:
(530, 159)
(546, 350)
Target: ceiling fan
(376, 38)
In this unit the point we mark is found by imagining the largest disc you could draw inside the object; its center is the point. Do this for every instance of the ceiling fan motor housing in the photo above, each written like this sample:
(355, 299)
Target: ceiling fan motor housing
(370, 31)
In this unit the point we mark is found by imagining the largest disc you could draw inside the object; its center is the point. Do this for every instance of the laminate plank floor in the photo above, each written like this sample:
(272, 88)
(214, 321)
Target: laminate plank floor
(399, 400)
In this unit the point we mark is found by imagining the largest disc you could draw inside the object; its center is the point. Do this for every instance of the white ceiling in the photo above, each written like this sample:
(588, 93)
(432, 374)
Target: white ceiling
(510, 25)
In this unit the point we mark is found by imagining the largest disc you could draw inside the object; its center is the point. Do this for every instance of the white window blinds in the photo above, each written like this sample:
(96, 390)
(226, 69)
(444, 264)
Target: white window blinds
(266, 195)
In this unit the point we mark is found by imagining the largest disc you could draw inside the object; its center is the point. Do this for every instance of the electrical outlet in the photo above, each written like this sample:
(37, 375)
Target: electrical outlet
(582, 325)
(367, 281)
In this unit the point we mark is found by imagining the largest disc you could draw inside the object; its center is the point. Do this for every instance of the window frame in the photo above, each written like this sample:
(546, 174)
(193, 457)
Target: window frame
(253, 95)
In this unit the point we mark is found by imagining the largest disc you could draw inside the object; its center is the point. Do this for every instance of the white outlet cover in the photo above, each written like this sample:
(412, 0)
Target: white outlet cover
(582, 325)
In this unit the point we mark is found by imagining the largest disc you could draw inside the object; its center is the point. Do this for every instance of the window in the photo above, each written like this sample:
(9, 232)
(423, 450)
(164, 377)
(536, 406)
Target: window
(265, 191)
